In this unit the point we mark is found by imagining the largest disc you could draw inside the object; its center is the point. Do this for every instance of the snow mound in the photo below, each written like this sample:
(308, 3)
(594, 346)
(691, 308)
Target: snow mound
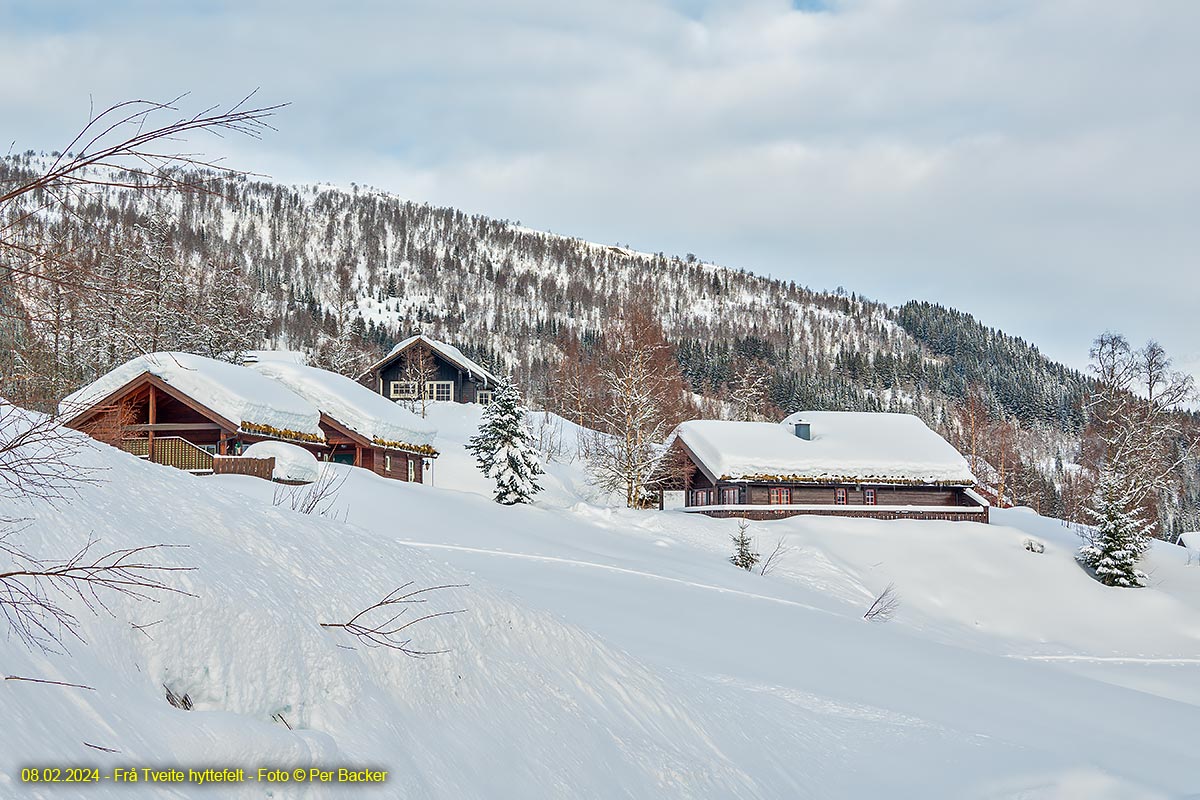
(520, 704)
(844, 446)
(237, 393)
(363, 411)
(292, 462)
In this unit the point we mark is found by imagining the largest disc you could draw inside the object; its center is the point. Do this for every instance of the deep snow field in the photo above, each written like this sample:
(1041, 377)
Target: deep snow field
(603, 652)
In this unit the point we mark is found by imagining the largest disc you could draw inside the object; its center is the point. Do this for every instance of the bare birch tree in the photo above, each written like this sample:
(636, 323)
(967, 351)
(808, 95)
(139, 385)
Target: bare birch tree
(641, 399)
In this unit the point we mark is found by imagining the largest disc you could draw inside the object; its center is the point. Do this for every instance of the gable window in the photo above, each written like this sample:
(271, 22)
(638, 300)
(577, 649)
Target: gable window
(780, 496)
(439, 390)
(729, 496)
(869, 497)
(484, 397)
(404, 390)
(412, 471)
(841, 497)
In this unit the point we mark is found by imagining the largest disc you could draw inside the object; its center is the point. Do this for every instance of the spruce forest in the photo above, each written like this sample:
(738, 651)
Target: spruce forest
(343, 274)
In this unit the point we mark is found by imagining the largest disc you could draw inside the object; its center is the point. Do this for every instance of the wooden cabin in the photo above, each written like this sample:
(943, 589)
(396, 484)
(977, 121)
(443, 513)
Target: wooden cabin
(197, 414)
(420, 367)
(884, 466)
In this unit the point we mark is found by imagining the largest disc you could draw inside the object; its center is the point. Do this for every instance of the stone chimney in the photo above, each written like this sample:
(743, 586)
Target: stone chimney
(804, 431)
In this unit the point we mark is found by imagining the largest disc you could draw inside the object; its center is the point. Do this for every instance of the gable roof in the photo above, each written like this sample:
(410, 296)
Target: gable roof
(845, 446)
(447, 351)
(362, 411)
(244, 397)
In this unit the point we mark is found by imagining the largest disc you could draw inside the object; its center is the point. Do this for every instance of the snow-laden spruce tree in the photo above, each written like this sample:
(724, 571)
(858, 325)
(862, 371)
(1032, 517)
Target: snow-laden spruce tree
(1121, 533)
(504, 450)
(1141, 443)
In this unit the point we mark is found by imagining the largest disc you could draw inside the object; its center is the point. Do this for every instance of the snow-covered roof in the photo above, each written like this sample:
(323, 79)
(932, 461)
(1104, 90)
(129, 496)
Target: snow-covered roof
(844, 446)
(292, 462)
(446, 351)
(254, 356)
(239, 394)
(363, 411)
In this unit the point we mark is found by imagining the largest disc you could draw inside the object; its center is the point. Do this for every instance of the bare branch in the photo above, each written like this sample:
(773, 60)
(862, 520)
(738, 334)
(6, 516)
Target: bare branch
(380, 625)
(51, 683)
(885, 606)
(33, 596)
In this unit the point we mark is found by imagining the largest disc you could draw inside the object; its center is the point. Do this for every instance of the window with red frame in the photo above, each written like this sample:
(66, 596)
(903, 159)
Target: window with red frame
(841, 497)
(869, 497)
(780, 496)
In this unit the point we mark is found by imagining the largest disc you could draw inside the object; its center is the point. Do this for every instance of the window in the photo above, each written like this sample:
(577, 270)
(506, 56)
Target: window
(404, 390)
(412, 471)
(869, 497)
(703, 497)
(780, 496)
(729, 496)
(439, 390)
(841, 497)
(484, 397)
(387, 463)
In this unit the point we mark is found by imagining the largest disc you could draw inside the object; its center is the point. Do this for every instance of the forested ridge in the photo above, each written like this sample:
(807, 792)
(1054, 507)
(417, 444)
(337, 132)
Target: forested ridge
(363, 268)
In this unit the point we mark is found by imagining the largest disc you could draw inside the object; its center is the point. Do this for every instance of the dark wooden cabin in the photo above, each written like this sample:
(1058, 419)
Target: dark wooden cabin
(420, 366)
(897, 469)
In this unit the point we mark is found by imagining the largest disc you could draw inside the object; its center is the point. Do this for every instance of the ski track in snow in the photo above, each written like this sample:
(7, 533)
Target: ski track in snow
(1109, 659)
(611, 568)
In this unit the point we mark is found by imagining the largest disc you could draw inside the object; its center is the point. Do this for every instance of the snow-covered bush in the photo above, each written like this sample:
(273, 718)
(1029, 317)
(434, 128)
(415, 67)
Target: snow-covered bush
(292, 462)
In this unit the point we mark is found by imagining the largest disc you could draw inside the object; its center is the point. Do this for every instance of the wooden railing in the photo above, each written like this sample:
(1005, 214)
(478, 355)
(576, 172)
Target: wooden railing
(173, 451)
(240, 465)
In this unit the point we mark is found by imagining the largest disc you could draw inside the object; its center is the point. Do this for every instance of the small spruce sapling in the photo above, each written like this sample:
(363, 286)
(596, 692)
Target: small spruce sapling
(744, 555)
(504, 449)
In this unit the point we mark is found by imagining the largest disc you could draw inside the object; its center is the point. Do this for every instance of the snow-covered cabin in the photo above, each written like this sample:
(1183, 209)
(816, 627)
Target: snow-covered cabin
(423, 367)
(188, 411)
(361, 427)
(845, 463)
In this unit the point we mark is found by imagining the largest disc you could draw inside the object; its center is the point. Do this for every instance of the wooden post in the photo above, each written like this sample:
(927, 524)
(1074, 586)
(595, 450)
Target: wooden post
(358, 462)
(222, 445)
(152, 419)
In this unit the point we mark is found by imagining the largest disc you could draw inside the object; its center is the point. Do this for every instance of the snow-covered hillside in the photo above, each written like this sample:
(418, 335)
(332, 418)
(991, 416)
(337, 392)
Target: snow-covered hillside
(610, 653)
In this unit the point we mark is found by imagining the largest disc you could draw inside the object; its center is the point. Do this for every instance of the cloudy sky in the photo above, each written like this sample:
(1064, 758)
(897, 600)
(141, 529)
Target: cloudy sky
(1033, 162)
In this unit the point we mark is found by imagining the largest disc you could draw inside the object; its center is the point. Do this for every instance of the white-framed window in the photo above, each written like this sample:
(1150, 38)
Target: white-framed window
(484, 397)
(780, 496)
(729, 496)
(841, 497)
(439, 390)
(403, 390)
(387, 463)
(869, 497)
(412, 470)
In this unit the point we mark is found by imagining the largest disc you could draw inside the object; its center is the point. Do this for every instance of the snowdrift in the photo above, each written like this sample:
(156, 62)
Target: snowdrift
(609, 653)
